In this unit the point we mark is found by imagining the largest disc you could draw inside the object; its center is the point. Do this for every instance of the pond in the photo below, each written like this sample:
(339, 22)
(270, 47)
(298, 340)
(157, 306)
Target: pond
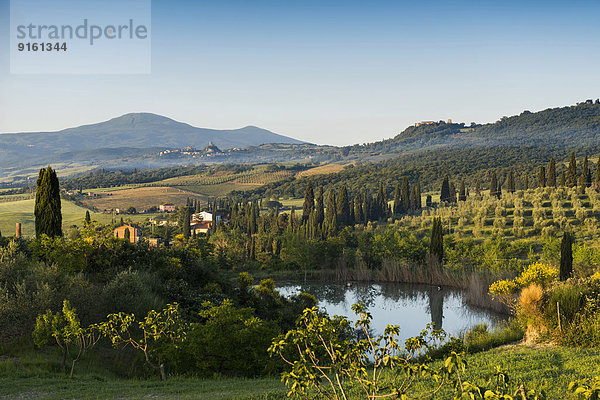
(410, 306)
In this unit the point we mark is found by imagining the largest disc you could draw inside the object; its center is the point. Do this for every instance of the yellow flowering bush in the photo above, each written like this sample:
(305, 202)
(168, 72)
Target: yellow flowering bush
(536, 273)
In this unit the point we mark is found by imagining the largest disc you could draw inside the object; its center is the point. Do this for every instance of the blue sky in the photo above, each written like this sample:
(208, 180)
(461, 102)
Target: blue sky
(329, 72)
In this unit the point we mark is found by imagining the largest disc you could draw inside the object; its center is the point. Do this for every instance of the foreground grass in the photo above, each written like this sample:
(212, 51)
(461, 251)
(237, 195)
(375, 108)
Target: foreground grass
(57, 386)
(538, 367)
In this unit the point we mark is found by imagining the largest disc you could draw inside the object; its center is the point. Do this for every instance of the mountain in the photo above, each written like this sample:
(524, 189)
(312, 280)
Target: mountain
(130, 131)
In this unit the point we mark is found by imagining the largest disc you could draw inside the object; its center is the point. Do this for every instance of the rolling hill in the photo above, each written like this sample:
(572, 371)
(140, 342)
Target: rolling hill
(124, 136)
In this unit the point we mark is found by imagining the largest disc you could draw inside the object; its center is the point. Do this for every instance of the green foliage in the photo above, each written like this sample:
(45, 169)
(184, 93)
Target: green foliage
(159, 333)
(436, 246)
(230, 341)
(65, 328)
(588, 389)
(48, 217)
(566, 256)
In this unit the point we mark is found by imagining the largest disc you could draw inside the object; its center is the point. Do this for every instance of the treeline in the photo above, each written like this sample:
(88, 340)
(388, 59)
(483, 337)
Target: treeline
(428, 168)
(109, 178)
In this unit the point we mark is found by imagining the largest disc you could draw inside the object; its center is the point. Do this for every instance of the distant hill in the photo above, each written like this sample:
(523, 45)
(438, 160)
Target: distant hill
(572, 127)
(130, 131)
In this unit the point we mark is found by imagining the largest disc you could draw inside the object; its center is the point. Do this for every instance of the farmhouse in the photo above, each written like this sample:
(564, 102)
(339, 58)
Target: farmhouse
(201, 227)
(166, 207)
(206, 216)
(135, 232)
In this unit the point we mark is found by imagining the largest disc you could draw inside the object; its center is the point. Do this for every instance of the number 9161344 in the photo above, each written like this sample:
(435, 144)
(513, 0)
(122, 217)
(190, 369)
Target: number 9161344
(42, 46)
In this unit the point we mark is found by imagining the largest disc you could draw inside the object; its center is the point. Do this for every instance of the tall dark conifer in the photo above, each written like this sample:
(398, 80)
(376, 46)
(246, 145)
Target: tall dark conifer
(462, 192)
(566, 256)
(358, 209)
(343, 207)
(436, 244)
(452, 193)
(597, 177)
(405, 194)
(309, 201)
(586, 175)
(330, 223)
(552, 173)
(572, 172)
(510, 183)
(445, 192)
(542, 177)
(494, 185)
(319, 208)
(47, 210)
(397, 201)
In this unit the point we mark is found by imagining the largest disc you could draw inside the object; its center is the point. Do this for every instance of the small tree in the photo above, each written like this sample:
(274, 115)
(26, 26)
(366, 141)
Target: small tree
(66, 330)
(566, 256)
(158, 328)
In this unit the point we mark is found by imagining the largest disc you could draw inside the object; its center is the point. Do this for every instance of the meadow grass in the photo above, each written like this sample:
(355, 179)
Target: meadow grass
(538, 367)
(22, 211)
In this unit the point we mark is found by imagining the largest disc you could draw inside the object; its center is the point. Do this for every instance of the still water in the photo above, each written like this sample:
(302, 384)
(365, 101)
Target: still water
(410, 306)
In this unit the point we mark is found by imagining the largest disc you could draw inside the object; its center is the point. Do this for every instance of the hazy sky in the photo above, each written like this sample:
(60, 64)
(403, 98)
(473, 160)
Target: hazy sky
(329, 72)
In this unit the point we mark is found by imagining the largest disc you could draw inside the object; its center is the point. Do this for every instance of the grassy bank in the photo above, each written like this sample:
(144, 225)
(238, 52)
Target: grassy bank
(539, 367)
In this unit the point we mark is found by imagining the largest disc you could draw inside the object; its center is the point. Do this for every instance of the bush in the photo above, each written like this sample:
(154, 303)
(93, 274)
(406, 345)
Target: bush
(231, 341)
(131, 292)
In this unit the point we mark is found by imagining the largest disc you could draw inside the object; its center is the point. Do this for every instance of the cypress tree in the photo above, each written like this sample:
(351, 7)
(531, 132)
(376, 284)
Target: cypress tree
(330, 224)
(494, 185)
(127, 235)
(397, 201)
(566, 256)
(436, 244)
(381, 202)
(597, 177)
(88, 218)
(292, 223)
(552, 173)
(462, 193)
(405, 195)
(366, 209)
(526, 182)
(510, 183)
(477, 188)
(185, 226)
(542, 177)
(452, 193)
(358, 209)
(586, 174)
(413, 198)
(419, 203)
(343, 207)
(563, 179)
(48, 217)
(572, 172)
(319, 209)
(445, 192)
(309, 201)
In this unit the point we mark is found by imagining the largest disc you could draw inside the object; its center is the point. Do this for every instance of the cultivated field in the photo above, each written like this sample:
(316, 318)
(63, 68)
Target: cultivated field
(322, 170)
(141, 198)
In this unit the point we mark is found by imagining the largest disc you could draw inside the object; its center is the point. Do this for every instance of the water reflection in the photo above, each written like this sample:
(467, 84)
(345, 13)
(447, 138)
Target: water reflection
(410, 306)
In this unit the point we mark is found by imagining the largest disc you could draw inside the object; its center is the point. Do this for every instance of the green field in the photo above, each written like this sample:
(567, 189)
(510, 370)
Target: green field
(36, 375)
(22, 211)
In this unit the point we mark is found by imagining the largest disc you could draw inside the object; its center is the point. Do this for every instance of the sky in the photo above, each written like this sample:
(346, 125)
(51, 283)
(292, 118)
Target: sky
(328, 71)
